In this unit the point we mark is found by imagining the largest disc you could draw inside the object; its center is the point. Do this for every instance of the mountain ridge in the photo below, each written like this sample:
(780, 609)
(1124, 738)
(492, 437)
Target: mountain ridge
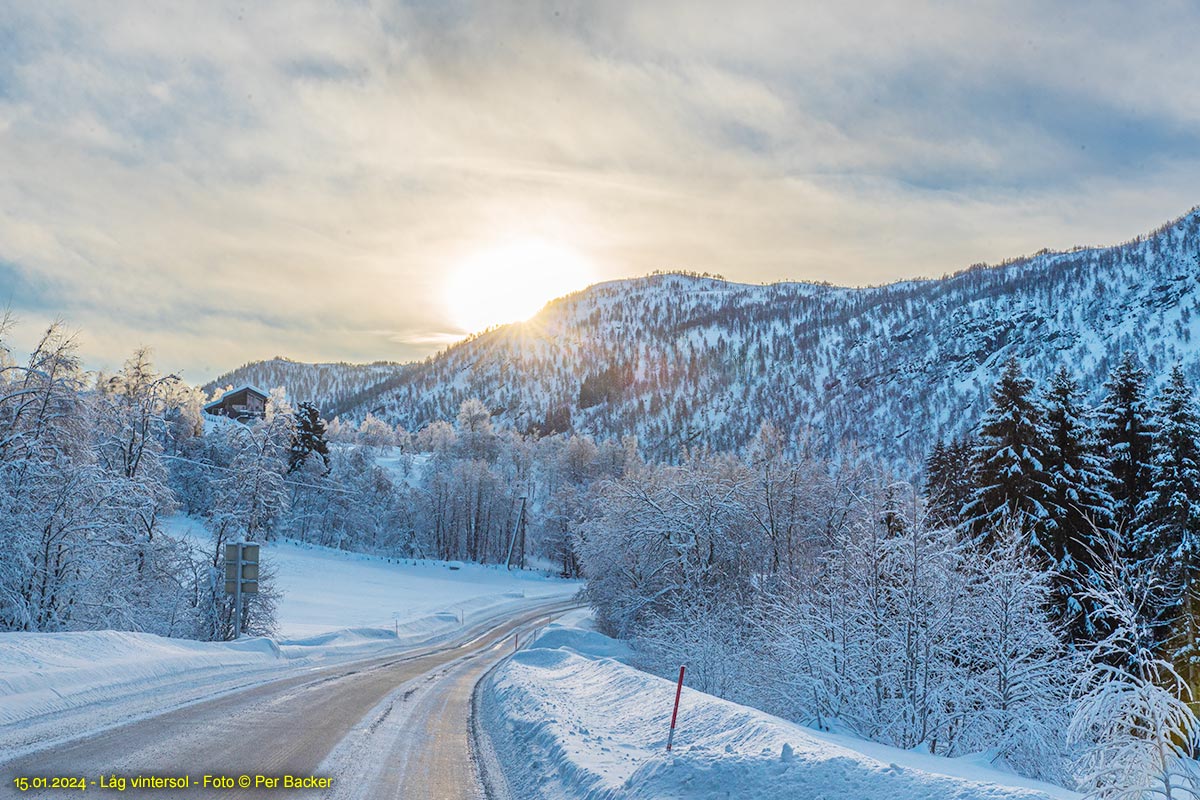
(686, 359)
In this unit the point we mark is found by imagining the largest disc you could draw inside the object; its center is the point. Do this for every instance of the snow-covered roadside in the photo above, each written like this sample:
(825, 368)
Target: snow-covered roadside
(581, 723)
(335, 607)
(47, 673)
(42, 673)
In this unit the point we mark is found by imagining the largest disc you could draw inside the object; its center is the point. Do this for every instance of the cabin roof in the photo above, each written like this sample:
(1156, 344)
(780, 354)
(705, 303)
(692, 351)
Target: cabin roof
(246, 388)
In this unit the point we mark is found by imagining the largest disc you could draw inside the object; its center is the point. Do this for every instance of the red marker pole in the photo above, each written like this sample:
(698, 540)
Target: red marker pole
(675, 713)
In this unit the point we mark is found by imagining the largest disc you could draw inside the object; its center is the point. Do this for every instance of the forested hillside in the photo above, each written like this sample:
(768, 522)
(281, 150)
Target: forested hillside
(684, 360)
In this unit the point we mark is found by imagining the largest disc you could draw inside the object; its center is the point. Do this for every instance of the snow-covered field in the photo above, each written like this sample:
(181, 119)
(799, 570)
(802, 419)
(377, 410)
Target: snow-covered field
(360, 597)
(325, 590)
(576, 721)
(335, 606)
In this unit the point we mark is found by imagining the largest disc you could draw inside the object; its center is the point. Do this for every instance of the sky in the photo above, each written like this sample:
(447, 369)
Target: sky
(225, 182)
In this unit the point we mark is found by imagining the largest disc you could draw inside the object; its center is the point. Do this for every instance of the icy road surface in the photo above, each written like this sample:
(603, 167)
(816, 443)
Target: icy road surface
(393, 725)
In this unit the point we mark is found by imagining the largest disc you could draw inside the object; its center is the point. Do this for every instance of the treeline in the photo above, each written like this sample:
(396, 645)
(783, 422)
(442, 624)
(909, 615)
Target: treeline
(96, 469)
(92, 467)
(453, 491)
(1079, 480)
(1033, 599)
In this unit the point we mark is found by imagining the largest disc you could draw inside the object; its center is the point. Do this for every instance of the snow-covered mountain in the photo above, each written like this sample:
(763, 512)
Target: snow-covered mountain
(683, 360)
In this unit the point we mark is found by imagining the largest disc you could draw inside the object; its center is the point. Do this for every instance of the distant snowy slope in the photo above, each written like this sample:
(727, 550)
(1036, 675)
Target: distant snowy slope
(593, 728)
(681, 360)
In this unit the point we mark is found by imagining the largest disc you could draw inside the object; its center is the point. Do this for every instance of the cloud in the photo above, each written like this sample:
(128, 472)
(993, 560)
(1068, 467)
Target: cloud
(235, 180)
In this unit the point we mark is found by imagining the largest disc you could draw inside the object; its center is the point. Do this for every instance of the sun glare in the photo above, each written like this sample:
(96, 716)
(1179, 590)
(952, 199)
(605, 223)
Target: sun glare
(511, 282)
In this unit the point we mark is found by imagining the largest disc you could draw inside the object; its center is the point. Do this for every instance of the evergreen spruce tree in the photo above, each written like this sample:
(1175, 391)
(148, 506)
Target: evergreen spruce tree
(1078, 505)
(1126, 433)
(308, 438)
(949, 480)
(1012, 482)
(1167, 533)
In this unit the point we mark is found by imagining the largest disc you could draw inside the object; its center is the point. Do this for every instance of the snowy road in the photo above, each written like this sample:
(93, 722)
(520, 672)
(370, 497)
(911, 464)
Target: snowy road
(390, 726)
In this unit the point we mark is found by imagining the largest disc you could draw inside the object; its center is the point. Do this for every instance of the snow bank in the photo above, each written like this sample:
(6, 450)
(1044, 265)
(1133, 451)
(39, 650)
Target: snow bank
(582, 724)
(563, 635)
(45, 672)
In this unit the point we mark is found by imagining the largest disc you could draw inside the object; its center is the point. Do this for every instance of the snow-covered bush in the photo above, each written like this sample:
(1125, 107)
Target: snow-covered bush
(1133, 723)
(865, 617)
(1018, 689)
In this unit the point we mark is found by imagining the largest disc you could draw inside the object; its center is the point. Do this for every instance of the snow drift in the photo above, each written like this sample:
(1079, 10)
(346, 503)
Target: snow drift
(583, 724)
(44, 672)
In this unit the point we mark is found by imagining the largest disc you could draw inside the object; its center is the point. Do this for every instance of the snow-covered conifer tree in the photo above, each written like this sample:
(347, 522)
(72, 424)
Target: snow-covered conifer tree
(309, 438)
(1012, 480)
(1126, 433)
(949, 481)
(1167, 530)
(1079, 502)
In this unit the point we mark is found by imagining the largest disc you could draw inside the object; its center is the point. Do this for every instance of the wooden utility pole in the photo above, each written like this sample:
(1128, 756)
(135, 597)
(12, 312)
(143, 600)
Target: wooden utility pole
(517, 528)
(521, 522)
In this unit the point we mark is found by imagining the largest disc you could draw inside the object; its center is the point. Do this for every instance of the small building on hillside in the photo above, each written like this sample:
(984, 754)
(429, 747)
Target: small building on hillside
(245, 404)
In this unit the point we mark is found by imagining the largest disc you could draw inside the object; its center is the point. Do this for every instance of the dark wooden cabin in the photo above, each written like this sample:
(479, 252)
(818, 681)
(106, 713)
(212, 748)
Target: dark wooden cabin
(244, 405)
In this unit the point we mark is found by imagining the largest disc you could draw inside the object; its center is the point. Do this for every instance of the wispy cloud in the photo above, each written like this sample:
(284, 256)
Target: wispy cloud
(229, 181)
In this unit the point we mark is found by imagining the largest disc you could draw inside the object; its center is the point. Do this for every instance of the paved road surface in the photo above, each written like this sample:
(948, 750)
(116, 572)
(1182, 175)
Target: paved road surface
(388, 727)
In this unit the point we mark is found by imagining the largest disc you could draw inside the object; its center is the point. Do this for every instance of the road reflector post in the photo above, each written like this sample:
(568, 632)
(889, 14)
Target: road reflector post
(675, 713)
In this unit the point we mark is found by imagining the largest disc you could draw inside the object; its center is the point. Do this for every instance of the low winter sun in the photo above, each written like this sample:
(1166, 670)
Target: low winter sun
(511, 281)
